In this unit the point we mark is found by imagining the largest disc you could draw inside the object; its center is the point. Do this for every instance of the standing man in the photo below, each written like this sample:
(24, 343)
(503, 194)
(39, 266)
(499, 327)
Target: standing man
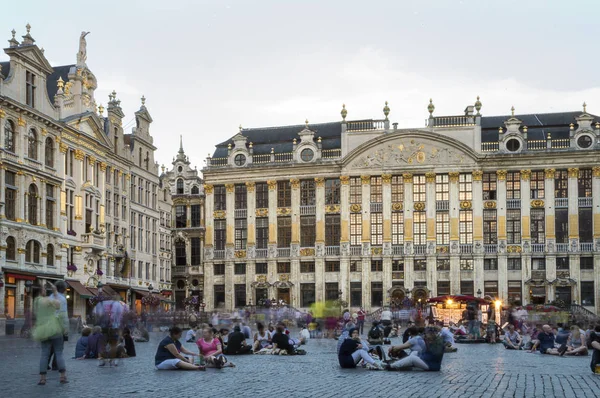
(361, 319)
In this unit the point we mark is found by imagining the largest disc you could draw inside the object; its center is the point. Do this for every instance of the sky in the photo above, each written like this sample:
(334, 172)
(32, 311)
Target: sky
(207, 67)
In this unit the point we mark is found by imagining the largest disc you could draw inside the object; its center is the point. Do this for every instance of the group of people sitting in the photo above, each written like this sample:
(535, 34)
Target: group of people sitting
(107, 346)
(562, 341)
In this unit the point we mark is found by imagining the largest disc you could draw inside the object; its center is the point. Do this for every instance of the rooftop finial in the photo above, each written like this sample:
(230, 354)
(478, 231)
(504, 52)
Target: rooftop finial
(60, 83)
(584, 107)
(386, 110)
(14, 32)
(143, 100)
(431, 107)
(344, 112)
(306, 123)
(180, 143)
(27, 39)
(101, 109)
(512, 111)
(13, 42)
(28, 27)
(240, 128)
(478, 105)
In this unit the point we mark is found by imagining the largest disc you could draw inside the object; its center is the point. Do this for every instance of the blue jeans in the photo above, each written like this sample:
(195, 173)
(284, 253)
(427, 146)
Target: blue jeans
(58, 344)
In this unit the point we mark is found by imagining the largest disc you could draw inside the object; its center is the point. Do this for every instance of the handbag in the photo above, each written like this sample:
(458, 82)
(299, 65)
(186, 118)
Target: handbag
(48, 329)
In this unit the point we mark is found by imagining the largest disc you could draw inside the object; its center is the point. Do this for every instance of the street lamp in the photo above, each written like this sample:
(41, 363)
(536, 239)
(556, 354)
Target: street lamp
(99, 286)
(479, 293)
(150, 288)
(28, 285)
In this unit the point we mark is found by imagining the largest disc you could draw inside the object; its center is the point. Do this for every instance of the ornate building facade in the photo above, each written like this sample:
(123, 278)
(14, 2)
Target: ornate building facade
(79, 195)
(504, 206)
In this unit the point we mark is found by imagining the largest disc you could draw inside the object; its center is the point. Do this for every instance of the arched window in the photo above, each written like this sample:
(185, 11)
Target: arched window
(49, 154)
(33, 205)
(32, 252)
(116, 138)
(9, 136)
(165, 197)
(32, 148)
(195, 190)
(180, 255)
(11, 250)
(50, 255)
(140, 155)
(180, 186)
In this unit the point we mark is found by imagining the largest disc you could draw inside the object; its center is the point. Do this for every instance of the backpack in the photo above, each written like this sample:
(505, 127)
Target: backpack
(375, 333)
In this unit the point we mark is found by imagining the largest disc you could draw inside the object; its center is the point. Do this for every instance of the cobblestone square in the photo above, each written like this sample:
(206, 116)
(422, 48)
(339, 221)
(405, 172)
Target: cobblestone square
(474, 371)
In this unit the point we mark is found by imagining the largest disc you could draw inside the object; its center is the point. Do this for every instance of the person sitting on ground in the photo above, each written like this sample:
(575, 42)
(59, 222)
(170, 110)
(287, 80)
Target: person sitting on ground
(262, 338)
(512, 339)
(168, 354)
(96, 344)
(430, 358)
(190, 335)
(211, 349)
(561, 334)
(237, 343)
(281, 341)
(375, 335)
(224, 336)
(140, 334)
(246, 330)
(448, 337)
(351, 352)
(304, 335)
(114, 351)
(344, 335)
(415, 343)
(576, 343)
(128, 343)
(406, 334)
(545, 341)
(595, 345)
(82, 343)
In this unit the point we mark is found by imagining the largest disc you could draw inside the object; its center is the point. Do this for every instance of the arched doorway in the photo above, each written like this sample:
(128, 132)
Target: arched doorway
(397, 296)
(284, 291)
(420, 295)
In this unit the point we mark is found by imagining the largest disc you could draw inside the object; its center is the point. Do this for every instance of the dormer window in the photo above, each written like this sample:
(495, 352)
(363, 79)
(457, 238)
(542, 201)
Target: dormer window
(180, 186)
(239, 159)
(30, 89)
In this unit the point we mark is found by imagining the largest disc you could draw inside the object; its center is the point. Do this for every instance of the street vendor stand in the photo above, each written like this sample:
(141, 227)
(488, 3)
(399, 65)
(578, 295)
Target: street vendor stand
(450, 308)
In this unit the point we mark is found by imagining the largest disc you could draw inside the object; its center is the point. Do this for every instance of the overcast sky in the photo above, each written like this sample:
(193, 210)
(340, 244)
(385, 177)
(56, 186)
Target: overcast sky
(206, 67)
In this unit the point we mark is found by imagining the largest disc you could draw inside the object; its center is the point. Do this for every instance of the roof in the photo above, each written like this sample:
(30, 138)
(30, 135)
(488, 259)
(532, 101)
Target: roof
(281, 138)
(59, 71)
(5, 68)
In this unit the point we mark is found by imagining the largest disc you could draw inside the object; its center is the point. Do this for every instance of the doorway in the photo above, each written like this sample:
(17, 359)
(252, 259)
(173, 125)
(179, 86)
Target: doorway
(563, 293)
(283, 294)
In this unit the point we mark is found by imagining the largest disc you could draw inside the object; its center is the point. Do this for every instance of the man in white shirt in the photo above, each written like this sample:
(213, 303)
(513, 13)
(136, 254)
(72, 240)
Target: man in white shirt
(386, 316)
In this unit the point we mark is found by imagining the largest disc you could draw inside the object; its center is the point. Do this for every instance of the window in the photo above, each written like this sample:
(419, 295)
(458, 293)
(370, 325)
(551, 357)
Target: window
(538, 234)
(376, 190)
(356, 266)
(332, 230)
(561, 217)
(180, 216)
(307, 267)
(465, 187)
(376, 294)
(32, 252)
(514, 264)
(307, 193)
(219, 299)
(10, 195)
(397, 189)
(537, 184)
(442, 228)
(355, 229)
(538, 264)
(195, 190)
(584, 183)
(284, 268)
(398, 266)
(262, 233)
(355, 294)
(586, 263)
(239, 290)
(419, 189)
(513, 226)
(50, 203)
(50, 255)
(376, 229)
(587, 294)
(239, 159)
(465, 227)
(32, 211)
(332, 191)
(241, 234)
(331, 291)
(443, 288)
(30, 89)
(239, 268)
(490, 264)
(307, 231)
(490, 227)
(355, 190)
(307, 294)
(489, 185)
(32, 144)
(490, 288)
(467, 288)
(466, 264)
(262, 195)
(261, 268)
(49, 152)
(515, 291)
(180, 254)
(284, 194)
(219, 269)
(561, 184)
(443, 264)
(220, 234)
(397, 228)
(307, 155)
(585, 225)
(196, 251)
(11, 249)
(284, 231)
(332, 266)
(420, 264)
(513, 185)
(196, 214)
(9, 136)
(441, 187)
(562, 263)
(220, 197)
(376, 265)
(419, 228)
(241, 197)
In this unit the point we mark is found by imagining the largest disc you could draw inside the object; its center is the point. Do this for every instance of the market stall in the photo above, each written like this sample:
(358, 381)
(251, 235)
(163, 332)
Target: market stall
(452, 308)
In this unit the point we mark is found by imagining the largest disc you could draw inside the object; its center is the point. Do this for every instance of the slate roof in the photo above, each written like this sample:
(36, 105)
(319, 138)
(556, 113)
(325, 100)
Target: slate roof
(59, 71)
(5, 68)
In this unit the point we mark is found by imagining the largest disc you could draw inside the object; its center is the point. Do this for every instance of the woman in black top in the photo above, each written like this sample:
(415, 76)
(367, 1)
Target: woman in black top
(282, 341)
(128, 342)
(351, 352)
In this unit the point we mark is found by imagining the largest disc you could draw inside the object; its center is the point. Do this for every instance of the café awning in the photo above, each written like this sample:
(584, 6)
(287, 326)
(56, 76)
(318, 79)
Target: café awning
(80, 289)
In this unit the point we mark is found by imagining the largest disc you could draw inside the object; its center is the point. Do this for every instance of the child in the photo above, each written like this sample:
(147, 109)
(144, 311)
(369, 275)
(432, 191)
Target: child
(82, 342)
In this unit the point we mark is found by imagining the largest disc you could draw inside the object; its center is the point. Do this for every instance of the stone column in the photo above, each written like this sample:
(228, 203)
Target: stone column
(41, 198)
(574, 209)
(387, 235)
(2, 200)
(366, 207)
(272, 214)
(453, 214)
(525, 206)
(230, 215)
(295, 279)
(295, 185)
(430, 209)
(21, 193)
(209, 206)
(501, 206)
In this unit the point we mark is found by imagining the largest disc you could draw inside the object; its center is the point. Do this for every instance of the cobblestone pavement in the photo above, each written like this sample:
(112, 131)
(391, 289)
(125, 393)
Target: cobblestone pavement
(474, 371)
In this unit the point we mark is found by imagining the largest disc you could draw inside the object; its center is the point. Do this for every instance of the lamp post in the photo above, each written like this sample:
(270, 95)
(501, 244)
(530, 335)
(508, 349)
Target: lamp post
(202, 305)
(479, 293)
(28, 285)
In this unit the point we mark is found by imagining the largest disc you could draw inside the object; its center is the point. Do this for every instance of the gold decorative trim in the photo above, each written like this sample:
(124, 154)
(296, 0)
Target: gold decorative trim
(489, 204)
(21, 122)
(365, 180)
(525, 175)
(219, 214)
(250, 186)
(306, 252)
(466, 205)
(320, 182)
(240, 253)
(332, 209)
(64, 245)
(397, 206)
(77, 248)
(2, 113)
(261, 278)
(295, 183)
(386, 178)
(376, 251)
(44, 132)
(262, 212)
(442, 249)
(21, 251)
(549, 173)
(407, 176)
(514, 249)
(419, 206)
(596, 171)
(19, 220)
(477, 175)
(345, 180)
(80, 155)
(430, 176)
(573, 172)
(272, 185)
(230, 188)
(355, 208)
(501, 174)
(63, 147)
(537, 203)
(453, 176)
(208, 189)
(284, 211)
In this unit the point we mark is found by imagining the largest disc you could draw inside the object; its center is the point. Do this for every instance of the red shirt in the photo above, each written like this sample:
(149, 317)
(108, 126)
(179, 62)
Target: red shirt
(361, 315)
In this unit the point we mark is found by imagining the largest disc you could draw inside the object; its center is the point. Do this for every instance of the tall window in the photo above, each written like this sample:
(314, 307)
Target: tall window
(196, 215)
(443, 288)
(332, 230)
(513, 264)
(32, 205)
(70, 207)
(587, 294)
(376, 229)
(441, 187)
(262, 232)
(307, 267)
(419, 228)
(397, 189)
(561, 184)
(241, 233)
(537, 184)
(180, 255)
(307, 193)
(355, 190)
(376, 265)
(584, 183)
(50, 203)
(513, 185)
(284, 231)
(397, 228)
(240, 295)
(490, 227)
(538, 234)
(220, 197)
(220, 234)
(467, 288)
(332, 191)
(30, 89)
(376, 190)
(180, 186)
(419, 188)
(219, 298)
(284, 268)
(466, 227)
(241, 197)
(261, 268)
(355, 294)
(376, 293)
(490, 264)
(32, 144)
(561, 225)
(284, 194)
(585, 224)
(11, 249)
(196, 249)
(10, 195)
(49, 152)
(489, 185)
(442, 228)
(180, 216)
(355, 228)
(307, 294)
(465, 187)
(443, 264)
(513, 226)
(262, 195)
(307, 231)
(32, 252)
(331, 291)
(9, 136)
(50, 255)
(490, 288)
